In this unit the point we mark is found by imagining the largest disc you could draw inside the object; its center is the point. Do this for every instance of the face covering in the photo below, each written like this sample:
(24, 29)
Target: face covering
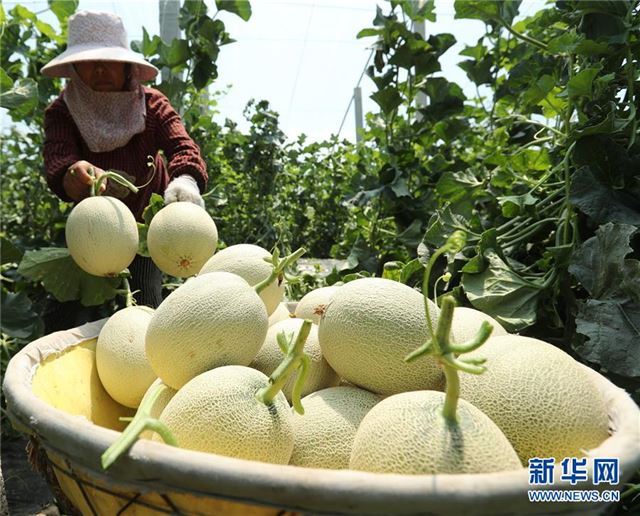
(106, 120)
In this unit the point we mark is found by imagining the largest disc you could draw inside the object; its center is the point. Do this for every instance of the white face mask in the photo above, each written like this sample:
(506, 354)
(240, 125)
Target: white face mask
(106, 120)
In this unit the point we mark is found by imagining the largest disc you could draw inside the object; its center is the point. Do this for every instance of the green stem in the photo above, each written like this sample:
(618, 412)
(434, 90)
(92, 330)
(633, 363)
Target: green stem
(533, 229)
(567, 165)
(114, 176)
(521, 36)
(278, 269)
(295, 360)
(141, 421)
(445, 353)
(451, 393)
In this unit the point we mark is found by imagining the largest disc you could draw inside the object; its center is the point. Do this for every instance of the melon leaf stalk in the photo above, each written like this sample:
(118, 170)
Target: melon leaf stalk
(440, 345)
(141, 421)
(295, 359)
(446, 353)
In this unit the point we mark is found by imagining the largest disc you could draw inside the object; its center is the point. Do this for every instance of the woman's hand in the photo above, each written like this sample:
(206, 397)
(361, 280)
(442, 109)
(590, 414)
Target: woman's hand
(78, 179)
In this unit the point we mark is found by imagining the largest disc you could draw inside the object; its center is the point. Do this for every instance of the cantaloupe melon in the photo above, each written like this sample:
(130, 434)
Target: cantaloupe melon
(102, 235)
(218, 412)
(280, 314)
(467, 322)
(181, 238)
(319, 375)
(368, 328)
(407, 434)
(120, 355)
(539, 396)
(313, 304)
(211, 320)
(323, 436)
(248, 261)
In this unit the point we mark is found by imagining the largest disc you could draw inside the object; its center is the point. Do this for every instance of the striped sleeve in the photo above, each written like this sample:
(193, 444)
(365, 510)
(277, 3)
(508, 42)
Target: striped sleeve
(183, 154)
(61, 148)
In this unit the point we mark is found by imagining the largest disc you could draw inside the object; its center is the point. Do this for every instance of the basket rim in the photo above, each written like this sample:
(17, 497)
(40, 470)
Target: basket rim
(156, 465)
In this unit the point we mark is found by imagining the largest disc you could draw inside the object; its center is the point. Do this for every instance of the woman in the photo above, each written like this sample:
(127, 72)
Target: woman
(105, 119)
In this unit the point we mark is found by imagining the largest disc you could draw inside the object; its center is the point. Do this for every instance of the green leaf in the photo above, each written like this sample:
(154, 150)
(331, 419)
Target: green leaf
(612, 329)
(513, 205)
(412, 236)
(242, 8)
(566, 43)
(581, 84)
(487, 10)
(542, 87)
(455, 187)
(204, 72)
(367, 33)
(9, 253)
(417, 11)
(502, 294)
(599, 263)
(605, 27)
(590, 48)
(441, 224)
(156, 203)
(6, 83)
(19, 319)
(388, 99)
(601, 201)
(175, 54)
(63, 8)
(23, 94)
(60, 275)
(445, 99)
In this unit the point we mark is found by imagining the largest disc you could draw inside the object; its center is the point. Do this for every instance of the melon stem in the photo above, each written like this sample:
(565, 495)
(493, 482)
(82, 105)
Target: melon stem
(141, 421)
(295, 360)
(279, 267)
(445, 352)
(454, 244)
(114, 176)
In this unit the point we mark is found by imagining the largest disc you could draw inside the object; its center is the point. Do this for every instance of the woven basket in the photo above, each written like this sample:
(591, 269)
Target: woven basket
(157, 479)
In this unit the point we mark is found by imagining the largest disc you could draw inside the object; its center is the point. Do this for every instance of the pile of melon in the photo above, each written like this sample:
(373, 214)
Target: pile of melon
(222, 367)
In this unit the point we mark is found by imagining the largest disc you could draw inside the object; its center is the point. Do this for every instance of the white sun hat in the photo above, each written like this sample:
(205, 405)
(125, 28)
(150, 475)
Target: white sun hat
(97, 36)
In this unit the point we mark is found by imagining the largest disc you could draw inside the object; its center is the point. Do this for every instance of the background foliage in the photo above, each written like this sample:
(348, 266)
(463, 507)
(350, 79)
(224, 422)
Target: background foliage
(541, 168)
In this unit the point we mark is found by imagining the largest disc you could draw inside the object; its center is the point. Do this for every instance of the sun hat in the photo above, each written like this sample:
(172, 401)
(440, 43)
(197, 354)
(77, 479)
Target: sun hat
(97, 36)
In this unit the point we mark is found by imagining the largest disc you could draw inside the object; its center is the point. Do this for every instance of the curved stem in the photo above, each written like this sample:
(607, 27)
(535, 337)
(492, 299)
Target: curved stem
(141, 421)
(278, 268)
(523, 37)
(295, 360)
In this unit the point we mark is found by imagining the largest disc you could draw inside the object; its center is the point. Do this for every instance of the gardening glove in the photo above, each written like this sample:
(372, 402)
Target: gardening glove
(183, 188)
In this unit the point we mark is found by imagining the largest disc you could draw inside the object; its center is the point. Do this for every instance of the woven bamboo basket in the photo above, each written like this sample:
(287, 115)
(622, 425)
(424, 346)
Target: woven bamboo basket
(54, 395)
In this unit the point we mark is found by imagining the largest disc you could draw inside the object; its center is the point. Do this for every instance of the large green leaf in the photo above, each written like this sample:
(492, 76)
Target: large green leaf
(602, 202)
(19, 320)
(487, 10)
(9, 253)
(388, 99)
(581, 84)
(60, 275)
(63, 8)
(503, 294)
(242, 8)
(23, 96)
(599, 263)
(612, 329)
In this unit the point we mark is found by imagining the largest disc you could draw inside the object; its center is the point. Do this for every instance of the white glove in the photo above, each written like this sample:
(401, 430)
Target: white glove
(183, 188)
